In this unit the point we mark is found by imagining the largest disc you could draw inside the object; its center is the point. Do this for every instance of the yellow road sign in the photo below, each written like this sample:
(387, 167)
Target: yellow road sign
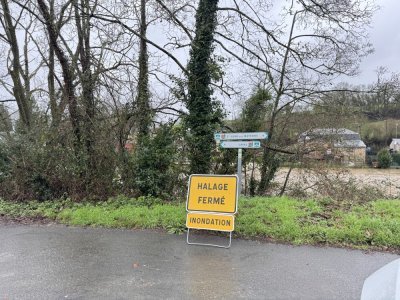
(212, 193)
(205, 221)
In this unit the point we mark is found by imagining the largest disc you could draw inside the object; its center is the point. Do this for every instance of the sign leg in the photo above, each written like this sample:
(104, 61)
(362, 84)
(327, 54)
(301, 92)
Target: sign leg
(210, 245)
(239, 171)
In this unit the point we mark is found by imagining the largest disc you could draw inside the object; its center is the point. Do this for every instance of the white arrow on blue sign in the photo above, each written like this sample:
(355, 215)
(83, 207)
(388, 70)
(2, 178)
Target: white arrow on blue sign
(219, 136)
(241, 144)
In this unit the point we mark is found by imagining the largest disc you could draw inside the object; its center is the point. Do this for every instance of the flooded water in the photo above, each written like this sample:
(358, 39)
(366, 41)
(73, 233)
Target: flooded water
(387, 180)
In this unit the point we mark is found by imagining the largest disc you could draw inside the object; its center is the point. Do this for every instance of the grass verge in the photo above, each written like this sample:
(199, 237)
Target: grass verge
(371, 225)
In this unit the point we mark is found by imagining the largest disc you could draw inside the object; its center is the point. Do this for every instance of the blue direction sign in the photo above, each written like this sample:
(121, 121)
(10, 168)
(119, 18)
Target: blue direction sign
(219, 136)
(241, 144)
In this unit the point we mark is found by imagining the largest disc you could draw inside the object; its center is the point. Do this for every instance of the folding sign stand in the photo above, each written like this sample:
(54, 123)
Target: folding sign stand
(221, 222)
(210, 245)
(211, 205)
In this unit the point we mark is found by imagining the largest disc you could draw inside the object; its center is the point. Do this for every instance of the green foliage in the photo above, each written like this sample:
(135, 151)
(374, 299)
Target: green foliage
(144, 117)
(33, 166)
(377, 134)
(5, 120)
(253, 118)
(203, 114)
(42, 164)
(255, 110)
(215, 68)
(154, 163)
(122, 200)
(253, 186)
(158, 216)
(225, 161)
(270, 165)
(4, 162)
(396, 158)
(375, 223)
(384, 159)
(32, 209)
(178, 87)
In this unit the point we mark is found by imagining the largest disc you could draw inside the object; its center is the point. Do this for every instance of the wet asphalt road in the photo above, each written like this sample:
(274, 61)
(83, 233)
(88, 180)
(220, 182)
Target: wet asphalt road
(57, 262)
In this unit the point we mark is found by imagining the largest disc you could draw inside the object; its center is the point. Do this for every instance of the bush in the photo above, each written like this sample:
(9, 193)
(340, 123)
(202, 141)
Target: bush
(154, 164)
(396, 158)
(42, 164)
(253, 186)
(4, 162)
(384, 159)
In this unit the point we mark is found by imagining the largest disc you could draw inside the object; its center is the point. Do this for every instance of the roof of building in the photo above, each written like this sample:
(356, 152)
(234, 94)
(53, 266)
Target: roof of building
(329, 131)
(342, 133)
(395, 141)
(350, 144)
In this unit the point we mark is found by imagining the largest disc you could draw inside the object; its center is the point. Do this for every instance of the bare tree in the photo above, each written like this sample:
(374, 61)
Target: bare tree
(297, 56)
(20, 90)
(67, 72)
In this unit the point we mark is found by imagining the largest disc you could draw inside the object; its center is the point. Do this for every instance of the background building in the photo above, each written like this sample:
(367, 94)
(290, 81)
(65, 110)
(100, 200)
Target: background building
(395, 145)
(338, 144)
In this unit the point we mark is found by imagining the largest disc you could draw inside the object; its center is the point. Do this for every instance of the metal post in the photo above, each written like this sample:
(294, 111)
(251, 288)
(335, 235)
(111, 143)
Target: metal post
(239, 171)
(212, 245)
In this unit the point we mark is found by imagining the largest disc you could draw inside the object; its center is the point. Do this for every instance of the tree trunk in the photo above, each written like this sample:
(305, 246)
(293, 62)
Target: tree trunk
(200, 118)
(143, 98)
(67, 74)
(50, 79)
(82, 19)
(20, 94)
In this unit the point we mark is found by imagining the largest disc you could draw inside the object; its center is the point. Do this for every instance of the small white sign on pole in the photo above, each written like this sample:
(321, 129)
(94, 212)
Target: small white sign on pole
(240, 140)
(241, 136)
(241, 144)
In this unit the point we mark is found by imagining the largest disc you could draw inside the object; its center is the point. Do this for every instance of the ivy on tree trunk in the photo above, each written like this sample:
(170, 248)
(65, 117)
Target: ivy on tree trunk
(143, 99)
(200, 120)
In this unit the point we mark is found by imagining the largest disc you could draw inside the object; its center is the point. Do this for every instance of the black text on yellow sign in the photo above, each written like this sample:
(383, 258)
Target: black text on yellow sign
(212, 193)
(217, 222)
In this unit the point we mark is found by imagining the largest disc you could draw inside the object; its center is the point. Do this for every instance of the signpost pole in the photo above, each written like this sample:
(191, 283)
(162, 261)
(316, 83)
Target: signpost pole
(239, 171)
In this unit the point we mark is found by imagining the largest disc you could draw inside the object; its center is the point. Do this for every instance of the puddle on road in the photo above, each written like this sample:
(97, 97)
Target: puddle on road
(210, 272)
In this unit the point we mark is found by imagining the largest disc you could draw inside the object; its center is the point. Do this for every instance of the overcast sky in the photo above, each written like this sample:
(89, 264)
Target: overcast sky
(385, 36)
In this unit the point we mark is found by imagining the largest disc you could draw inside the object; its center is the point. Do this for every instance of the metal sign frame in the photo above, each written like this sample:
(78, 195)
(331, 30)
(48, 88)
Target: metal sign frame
(209, 245)
(212, 212)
